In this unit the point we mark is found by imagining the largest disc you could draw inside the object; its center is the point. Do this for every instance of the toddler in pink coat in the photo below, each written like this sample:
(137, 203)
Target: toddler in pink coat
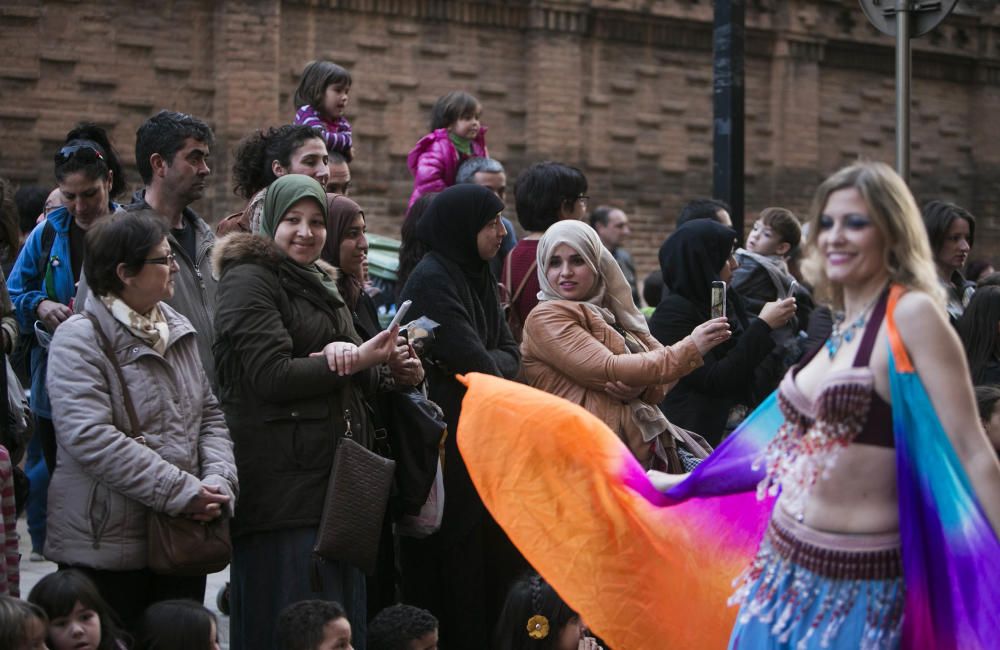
(456, 135)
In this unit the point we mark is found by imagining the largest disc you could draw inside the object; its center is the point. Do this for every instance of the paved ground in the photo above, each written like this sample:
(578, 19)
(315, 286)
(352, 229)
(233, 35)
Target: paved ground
(32, 572)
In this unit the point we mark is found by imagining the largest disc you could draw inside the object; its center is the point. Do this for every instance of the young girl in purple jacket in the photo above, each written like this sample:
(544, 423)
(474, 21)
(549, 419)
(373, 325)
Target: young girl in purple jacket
(456, 135)
(322, 99)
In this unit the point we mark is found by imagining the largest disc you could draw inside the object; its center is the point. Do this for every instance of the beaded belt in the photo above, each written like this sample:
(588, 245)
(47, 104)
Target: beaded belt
(796, 543)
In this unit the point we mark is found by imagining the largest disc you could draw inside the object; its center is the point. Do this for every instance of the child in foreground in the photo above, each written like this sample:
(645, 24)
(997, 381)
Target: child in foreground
(178, 625)
(311, 625)
(403, 627)
(22, 625)
(79, 618)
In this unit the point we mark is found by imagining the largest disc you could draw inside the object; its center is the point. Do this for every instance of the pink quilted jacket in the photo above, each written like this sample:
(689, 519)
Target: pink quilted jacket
(434, 161)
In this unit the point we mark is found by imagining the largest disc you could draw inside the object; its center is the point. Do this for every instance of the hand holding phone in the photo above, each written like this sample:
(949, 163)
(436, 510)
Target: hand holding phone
(400, 313)
(718, 299)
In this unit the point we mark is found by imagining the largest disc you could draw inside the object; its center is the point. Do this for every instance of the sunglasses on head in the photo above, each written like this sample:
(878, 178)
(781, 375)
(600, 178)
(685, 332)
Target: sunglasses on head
(69, 152)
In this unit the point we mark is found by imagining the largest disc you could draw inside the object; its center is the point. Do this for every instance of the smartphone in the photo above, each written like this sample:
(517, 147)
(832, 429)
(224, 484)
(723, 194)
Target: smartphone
(792, 288)
(400, 313)
(718, 299)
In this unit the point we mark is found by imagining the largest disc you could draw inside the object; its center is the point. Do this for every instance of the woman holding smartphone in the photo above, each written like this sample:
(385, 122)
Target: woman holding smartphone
(586, 335)
(695, 256)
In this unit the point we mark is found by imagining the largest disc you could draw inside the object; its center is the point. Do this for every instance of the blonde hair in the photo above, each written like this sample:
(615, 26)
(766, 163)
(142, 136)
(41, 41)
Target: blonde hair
(894, 213)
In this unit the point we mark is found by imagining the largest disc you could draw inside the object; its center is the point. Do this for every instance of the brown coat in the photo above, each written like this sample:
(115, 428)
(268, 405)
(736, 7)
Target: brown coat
(570, 351)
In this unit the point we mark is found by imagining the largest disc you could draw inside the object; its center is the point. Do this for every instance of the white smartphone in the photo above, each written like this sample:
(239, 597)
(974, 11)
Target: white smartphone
(400, 313)
(718, 299)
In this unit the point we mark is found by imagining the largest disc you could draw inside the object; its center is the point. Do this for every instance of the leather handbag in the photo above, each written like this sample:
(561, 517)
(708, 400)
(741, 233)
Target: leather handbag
(354, 507)
(175, 545)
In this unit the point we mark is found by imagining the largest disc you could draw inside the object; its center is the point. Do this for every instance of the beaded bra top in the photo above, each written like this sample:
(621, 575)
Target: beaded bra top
(846, 410)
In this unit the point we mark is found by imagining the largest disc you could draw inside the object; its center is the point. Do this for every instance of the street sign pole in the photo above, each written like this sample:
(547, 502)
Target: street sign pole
(905, 19)
(903, 60)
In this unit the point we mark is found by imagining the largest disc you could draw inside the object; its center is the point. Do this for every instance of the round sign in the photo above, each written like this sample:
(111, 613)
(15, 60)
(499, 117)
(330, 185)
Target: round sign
(925, 15)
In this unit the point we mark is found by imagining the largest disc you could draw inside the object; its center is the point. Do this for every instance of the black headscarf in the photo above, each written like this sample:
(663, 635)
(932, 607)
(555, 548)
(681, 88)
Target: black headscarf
(452, 222)
(450, 227)
(691, 259)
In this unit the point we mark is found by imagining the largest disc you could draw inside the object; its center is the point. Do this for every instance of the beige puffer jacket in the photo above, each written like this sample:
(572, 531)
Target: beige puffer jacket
(105, 482)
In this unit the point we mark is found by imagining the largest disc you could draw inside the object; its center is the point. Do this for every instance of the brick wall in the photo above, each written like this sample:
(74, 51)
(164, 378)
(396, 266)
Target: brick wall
(621, 88)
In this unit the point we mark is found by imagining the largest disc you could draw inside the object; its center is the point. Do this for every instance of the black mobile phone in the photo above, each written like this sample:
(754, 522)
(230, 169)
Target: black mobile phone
(718, 299)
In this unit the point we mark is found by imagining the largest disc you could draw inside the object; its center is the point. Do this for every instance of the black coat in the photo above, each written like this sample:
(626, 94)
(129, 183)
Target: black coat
(472, 337)
(285, 409)
(702, 399)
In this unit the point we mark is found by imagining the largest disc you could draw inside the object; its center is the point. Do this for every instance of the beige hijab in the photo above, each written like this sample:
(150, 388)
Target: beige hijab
(611, 298)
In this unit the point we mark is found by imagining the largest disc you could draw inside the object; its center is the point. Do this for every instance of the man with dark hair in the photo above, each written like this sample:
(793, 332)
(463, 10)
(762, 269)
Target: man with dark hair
(705, 209)
(490, 173)
(403, 627)
(171, 152)
(611, 225)
(544, 193)
(339, 181)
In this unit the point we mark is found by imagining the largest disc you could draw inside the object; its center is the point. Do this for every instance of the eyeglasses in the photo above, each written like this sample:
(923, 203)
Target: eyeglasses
(69, 152)
(168, 260)
(583, 197)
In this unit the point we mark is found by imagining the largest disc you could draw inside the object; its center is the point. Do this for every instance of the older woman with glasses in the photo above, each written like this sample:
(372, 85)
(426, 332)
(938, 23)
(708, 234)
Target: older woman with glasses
(111, 477)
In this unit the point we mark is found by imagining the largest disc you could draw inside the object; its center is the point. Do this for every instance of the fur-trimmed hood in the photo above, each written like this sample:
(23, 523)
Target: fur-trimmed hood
(247, 248)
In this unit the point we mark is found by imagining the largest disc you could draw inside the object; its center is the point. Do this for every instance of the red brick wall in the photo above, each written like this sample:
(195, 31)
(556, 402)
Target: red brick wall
(621, 88)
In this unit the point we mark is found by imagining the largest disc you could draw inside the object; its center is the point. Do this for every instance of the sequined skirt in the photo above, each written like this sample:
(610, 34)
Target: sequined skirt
(810, 589)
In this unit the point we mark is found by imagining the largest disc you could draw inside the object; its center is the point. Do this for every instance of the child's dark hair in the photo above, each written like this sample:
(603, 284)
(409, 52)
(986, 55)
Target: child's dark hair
(452, 107)
(300, 625)
(411, 250)
(394, 627)
(785, 224)
(542, 190)
(58, 593)
(528, 598)
(14, 616)
(938, 217)
(176, 625)
(88, 149)
(252, 170)
(316, 78)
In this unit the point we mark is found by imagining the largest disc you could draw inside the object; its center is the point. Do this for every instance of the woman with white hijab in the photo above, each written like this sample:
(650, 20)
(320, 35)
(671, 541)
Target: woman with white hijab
(587, 342)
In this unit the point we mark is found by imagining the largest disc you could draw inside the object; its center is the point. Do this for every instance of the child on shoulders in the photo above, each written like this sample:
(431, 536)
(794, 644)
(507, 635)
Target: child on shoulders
(321, 99)
(763, 275)
(456, 135)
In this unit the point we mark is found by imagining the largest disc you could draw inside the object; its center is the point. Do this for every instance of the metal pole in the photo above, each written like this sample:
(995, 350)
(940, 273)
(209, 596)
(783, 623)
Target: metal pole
(903, 89)
(727, 92)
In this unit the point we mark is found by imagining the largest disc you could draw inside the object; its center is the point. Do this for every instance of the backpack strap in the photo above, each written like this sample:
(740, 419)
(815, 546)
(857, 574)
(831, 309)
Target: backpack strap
(48, 238)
